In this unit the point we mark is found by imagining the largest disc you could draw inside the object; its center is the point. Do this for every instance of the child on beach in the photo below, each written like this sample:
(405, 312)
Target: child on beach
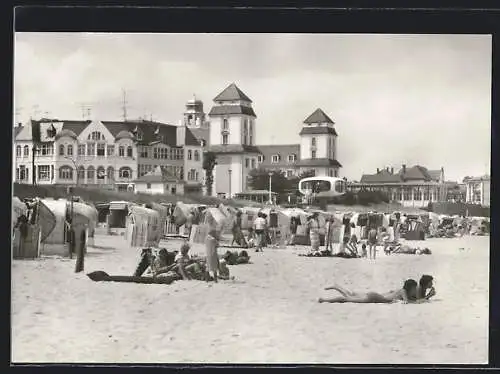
(363, 250)
(251, 238)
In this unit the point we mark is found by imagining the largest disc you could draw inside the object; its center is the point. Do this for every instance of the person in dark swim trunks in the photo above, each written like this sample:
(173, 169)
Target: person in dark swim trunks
(405, 294)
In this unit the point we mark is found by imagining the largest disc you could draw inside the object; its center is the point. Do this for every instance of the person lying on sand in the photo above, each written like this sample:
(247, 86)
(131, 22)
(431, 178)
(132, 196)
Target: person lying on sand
(425, 283)
(405, 294)
(235, 258)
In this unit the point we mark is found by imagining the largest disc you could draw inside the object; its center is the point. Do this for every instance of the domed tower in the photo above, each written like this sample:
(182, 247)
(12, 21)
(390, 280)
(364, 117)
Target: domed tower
(194, 116)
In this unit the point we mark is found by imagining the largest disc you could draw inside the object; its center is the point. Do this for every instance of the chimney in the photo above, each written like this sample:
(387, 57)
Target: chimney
(404, 168)
(392, 171)
(387, 168)
(378, 170)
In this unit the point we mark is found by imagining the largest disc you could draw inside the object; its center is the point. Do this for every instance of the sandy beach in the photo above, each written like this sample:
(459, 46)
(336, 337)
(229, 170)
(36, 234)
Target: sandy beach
(268, 314)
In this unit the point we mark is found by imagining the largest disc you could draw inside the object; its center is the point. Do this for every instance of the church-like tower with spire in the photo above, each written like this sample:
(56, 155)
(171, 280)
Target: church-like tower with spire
(232, 139)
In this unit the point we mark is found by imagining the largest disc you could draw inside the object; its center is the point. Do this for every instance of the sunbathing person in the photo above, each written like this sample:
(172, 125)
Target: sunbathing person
(425, 283)
(235, 258)
(405, 294)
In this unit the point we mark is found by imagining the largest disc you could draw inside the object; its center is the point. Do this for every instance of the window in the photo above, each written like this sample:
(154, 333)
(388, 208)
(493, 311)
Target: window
(253, 163)
(110, 150)
(225, 124)
(121, 151)
(190, 155)
(90, 149)
(81, 150)
(245, 131)
(80, 175)
(330, 172)
(90, 174)
(45, 149)
(250, 133)
(181, 172)
(66, 172)
(22, 173)
(426, 194)
(44, 173)
(26, 151)
(96, 135)
(289, 173)
(336, 173)
(101, 149)
(313, 142)
(225, 139)
(247, 163)
(110, 174)
(292, 158)
(275, 159)
(196, 156)
(163, 153)
(192, 175)
(125, 173)
(260, 158)
(155, 152)
(61, 150)
(407, 194)
(129, 151)
(70, 150)
(148, 186)
(418, 194)
(143, 152)
(313, 154)
(18, 151)
(101, 174)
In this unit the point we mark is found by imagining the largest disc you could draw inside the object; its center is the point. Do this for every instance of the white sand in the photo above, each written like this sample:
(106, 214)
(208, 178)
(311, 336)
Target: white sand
(269, 314)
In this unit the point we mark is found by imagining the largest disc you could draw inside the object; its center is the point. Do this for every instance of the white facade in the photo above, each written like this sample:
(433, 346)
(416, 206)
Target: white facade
(478, 190)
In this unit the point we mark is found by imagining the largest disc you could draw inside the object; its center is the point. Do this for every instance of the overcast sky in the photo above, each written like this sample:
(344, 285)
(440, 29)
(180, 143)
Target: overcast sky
(413, 99)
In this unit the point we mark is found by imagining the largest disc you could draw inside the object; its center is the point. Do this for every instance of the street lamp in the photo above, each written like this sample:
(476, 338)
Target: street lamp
(270, 190)
(229, 172)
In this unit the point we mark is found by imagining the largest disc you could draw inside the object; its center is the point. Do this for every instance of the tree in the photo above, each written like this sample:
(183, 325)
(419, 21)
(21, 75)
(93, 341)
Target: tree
(259, 180)
(209, 162)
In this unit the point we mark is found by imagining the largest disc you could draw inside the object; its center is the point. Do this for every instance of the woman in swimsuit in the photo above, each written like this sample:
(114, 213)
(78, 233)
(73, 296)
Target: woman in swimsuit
(407, 293)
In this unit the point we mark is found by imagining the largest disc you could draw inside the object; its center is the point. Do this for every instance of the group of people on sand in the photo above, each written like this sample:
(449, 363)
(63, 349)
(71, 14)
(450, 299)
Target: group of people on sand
(258, 235)
(182, 265)
(411, 292)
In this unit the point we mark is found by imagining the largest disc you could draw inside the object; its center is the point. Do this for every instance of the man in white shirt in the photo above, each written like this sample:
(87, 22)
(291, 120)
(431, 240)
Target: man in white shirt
(259, 225)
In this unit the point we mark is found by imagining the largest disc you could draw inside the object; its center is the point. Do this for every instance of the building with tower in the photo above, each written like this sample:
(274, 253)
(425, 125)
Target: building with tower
(232, 138)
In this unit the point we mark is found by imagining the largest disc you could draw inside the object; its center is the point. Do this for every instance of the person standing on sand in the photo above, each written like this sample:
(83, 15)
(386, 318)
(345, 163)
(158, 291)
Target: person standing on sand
(372, 243)
(238, 237)
(329, 229)
(405, 294)
(313, 226)
(259, 225)
(211, 244)
(294, 223)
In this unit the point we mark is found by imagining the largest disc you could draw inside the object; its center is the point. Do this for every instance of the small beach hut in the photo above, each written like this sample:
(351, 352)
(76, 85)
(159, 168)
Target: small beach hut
(143, 228)
(117, 218)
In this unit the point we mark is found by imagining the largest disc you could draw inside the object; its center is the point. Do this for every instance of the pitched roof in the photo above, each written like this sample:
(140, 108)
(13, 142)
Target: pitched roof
(415, 172)
(158, 175)
(317, 131)
(221, 110)
(434, 174)
(76, 127)
(318, 116)
(283, 150)
(232, 93)
(382, 177)
(17, 130)
(199, 134)
(148, 130)
(319, 162)
(233, 148)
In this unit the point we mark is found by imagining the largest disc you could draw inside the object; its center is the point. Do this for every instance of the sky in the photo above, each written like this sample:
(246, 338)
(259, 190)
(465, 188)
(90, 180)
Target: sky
(395, 99)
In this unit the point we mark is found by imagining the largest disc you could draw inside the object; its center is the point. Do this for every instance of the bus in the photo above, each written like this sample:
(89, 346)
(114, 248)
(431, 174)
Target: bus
(322, 186)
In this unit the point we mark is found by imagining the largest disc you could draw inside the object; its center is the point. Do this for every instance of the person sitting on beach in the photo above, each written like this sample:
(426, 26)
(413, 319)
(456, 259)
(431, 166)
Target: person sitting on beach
(186, 267)
(405, 294)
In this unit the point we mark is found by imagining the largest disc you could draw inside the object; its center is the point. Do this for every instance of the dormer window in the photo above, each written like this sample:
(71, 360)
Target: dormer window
(203, 143)
(139, 135)
(276, 159)
(292, 158)
(260, 158)
(51, 131)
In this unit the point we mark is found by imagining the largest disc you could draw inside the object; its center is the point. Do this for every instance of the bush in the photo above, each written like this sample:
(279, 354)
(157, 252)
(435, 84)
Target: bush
(354, 198)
